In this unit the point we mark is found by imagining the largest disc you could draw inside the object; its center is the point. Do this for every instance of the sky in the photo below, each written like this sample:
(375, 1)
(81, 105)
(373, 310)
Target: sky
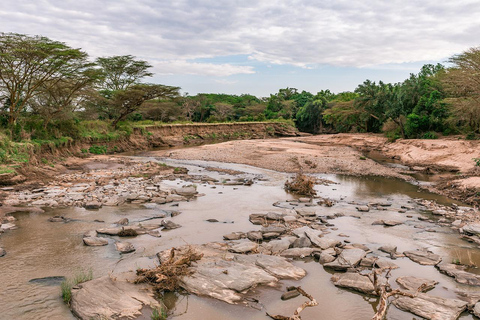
(258, 46)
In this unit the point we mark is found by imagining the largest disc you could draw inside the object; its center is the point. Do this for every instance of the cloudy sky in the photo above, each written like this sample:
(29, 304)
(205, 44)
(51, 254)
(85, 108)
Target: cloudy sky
(258, 46)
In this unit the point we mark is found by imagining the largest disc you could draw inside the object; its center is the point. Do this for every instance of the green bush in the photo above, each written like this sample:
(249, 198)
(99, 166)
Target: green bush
(471, 136)
(96, 149)
(430, 135)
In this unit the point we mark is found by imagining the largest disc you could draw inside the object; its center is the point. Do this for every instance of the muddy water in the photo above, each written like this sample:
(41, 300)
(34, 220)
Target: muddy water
(39, 248)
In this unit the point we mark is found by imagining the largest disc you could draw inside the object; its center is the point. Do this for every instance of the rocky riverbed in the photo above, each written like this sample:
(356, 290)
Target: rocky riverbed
(255, 241)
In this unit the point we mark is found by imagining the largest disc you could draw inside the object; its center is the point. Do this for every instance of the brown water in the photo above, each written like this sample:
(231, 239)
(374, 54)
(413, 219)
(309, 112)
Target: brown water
(39, 248)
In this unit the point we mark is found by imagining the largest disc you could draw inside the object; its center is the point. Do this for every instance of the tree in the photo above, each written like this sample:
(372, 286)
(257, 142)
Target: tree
(124, 102)
(121, 72)
(29, 63)
(309, 116)
(462, 83)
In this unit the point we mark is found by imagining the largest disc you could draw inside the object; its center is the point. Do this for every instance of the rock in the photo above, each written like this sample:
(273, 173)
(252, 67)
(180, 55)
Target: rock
(2, 252)
(258, 218)
(58, 219)
(279, 267)
(277, 246)
(234, 236)
(306, 212)
(391, 223)
(384, 263)
(159, 200)
(430, 307)
(114, 201)
(255, 236)
(326, 258)
(244, 247)
(302, 242)
(422, 257)
(111, 299)
(471, 298)
(189, 191)
(363, 208)
(390, 249)
(110, 231)
(368, 262)
(459, 273)
(274, 216)
(476, 310)
(174, 198)
(299, 232)
(472, 228)
(288, 219)
(123, 222)
(91, 233)
(349, 258)
(354, 281)
(91, 205)
(169, 225)
(48, 281)
(298, 252)
(124, 247)
(325, 242)
(95, 241)
(290, 295)
(7, 226)
(361, 246)
(212, 220)
(155, 233)
(413, 283)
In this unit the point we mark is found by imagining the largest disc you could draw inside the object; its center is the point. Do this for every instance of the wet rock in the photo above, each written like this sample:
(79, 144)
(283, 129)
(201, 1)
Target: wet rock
(234, 236)
(155, 233)
(459, 273)
(274, 216)
(159, 200)
(290, 295)
(114, 201)
(471, 298)
(472, 229)
(48, 281)
(354, 281)
(174, 198)
(95, 241)
(123, 222)
(367, 262)
(212, 220)
(349, 258)
(91, 233)
(277, 246)
(413, 283)
(169, 225)
(124, 247)
(360, 246)
(302, 242)
(7, 226)
(279, 267)
(244, 247)
(306, 212)
(384, 263)
(111, 299)
(298, 252)
(431, 307)
(326, 258)
(91, 205)
(423, 257)
(58, 219)
(2, 252)
(258, 218)
(189, 191)
(255, 236)
(363, 208)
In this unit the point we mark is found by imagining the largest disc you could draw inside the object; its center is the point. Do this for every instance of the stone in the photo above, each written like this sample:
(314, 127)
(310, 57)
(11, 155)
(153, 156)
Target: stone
(306, 212)
(391, 223)
(212, 220)
(349, 258)
(256, 236)
(299, 232)
(91, 233)
(188, 191)
(95, 241)
(361, 246)
(413, 283)
(325, 258)
(111, 299)
(471, 298)
(390, 249)
(169, 225)
(325, 242)
(58, 219)
(431, 307)
(288, 219)
(2, 252)
(363, 208)
(298, 252)
(302, 242)
(290, 295)
(354, 281)
(423, 257)
(472, 228)
(175, 198)
(476, 310)
(91, 205)
(244, 247)
(114, 201)
(384, 263)
(274, 216)
(234, 236)
(123, 222)
(258, 218)
(7, 226)
(124, 247)
(277, 246)
(155, 233)
(367, 262)
(459, 273)
(279, 267)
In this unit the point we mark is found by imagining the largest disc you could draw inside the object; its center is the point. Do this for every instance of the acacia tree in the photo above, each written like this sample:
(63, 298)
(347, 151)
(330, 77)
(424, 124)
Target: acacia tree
(28, 63)
(121, 72)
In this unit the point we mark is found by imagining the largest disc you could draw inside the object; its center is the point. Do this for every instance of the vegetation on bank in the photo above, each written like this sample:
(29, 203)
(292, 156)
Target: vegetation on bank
(52, 95)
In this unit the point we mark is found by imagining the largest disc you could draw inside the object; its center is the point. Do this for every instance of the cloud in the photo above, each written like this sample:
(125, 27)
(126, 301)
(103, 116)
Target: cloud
(172, 34)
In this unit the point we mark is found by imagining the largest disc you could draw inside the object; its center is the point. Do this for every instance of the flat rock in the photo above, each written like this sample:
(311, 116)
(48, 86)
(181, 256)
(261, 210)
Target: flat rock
(124, 247)
(304, 230)
(459, 273)
(258, 218)
(290, 295)
(244, 247)
(472, 228)
(354, 281)
(363, 208)
(95, 241)
(431, 307)
(391, 223)
(279, 267)
(90, 205)
(390, 249)
(277, 246)
(169, 225)
(123, 222)
(384, 263)
(471, 298)
(298, 252)
(302, 242)
(234, 236)
(255, 236)
(423, 257)
(413, 283)
(476, 310)
(306, 212)
(105, 298)
(349, 258)
(326, 258)
(189, 191)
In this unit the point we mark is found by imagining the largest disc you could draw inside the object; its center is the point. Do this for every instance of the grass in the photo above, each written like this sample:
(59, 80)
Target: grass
(67, 285)
(159, 313)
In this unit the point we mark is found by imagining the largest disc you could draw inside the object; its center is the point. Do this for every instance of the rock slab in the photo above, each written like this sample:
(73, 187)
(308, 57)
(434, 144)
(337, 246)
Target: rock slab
(430, 307)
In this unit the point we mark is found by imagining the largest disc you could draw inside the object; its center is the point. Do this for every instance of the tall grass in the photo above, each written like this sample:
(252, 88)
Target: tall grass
(67, 285)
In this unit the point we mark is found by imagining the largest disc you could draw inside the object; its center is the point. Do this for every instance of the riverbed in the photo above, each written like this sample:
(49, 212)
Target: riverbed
(39, 248)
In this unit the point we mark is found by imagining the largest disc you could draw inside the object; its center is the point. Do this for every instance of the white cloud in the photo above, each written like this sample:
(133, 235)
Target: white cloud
(171, 34)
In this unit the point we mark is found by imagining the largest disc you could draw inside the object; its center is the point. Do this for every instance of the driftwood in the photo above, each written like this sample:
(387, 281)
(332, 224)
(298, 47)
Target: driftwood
(296, 314)
(385, 291)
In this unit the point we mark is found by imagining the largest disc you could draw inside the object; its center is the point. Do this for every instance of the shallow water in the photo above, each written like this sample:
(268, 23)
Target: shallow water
(39, 248)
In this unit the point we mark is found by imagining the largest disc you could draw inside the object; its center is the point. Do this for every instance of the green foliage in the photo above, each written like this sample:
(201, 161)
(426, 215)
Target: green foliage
(159, 314)
(430, 135)
(97, 149)
(477, 161)
(471, 136)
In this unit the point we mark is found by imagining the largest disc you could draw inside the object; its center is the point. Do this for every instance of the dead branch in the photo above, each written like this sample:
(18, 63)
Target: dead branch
(296, 314)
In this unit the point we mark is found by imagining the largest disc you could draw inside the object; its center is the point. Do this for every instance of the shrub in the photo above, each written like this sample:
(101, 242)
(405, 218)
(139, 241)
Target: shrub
(430, 135)
(302, 185)
(471, 136)
(96, 149)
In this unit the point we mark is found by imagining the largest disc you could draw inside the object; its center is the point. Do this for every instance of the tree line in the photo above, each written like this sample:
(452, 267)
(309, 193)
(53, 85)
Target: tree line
(46, 85)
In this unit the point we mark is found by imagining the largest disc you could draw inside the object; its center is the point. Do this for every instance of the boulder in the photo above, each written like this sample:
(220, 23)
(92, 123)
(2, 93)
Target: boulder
(423, 257)
(91, 205)
(95, 241)
(124, 247)
(169, 225)
(105, 298)
(244, 247)
(390, 249)
(258, 218)
(298, 252)
(413, 283)
(349, 258)
(459, 273)
(472, 228)
(2, 252)
(354, 281)
(302, 242)
(256, 236)
(431, 307)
